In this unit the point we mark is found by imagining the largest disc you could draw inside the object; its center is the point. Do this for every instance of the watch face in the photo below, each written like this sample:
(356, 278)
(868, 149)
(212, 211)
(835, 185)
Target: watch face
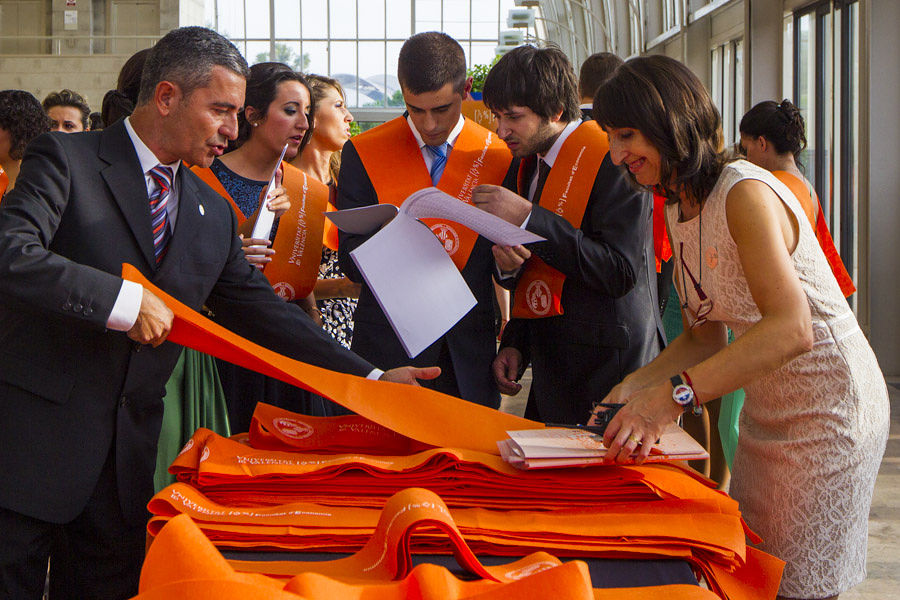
(683, 395)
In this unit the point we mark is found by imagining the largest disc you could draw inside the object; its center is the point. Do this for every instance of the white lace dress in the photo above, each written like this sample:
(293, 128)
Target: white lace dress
(812, 433)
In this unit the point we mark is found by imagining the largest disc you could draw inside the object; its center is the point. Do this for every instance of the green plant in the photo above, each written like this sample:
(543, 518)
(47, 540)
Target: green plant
(478, 73)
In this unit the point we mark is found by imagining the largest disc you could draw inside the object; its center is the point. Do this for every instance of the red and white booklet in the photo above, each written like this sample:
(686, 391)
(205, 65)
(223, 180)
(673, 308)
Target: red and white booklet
(565, 447)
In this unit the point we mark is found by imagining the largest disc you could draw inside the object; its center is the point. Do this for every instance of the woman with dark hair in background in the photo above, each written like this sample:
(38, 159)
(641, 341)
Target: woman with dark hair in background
(321, 158)
(68, 111)
(277, 111)
(120, 102)
(21, 119)
(773, 136)
(815, 421)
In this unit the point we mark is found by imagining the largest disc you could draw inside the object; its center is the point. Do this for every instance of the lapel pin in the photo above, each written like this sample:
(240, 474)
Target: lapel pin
(201, 209)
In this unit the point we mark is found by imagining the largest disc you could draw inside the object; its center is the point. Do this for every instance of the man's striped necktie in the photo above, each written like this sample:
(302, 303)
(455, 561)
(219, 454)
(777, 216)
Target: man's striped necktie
(159, 217)
(440, 161)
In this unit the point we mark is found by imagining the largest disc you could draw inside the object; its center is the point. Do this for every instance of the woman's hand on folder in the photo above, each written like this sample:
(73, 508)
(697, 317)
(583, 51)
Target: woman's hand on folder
(257, 251)
(647, 413)
(410, 375)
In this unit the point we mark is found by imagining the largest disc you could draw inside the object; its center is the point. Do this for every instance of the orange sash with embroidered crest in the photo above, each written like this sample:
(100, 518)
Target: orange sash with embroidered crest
(298, 245)
(566, 193)
(807, 201)
(394, 163)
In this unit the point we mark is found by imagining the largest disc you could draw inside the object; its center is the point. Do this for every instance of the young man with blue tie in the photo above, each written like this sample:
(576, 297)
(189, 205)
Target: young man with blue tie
(433, 144)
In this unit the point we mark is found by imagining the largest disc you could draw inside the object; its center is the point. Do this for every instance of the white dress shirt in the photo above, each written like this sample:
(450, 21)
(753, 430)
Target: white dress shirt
(451, 140)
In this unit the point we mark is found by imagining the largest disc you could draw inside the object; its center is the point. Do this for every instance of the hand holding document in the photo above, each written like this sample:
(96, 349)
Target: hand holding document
(265, 218)
(412, 277)
(563, 447)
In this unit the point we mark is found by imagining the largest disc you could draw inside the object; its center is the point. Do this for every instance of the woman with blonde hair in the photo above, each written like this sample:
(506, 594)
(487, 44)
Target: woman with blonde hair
(321, 158)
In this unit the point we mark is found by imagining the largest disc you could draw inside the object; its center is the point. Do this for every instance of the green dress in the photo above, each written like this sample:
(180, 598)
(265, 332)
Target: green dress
(194, 398)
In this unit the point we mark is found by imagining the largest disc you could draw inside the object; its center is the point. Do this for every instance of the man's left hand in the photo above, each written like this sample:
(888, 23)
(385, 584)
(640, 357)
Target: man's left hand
(410, 375)
(501, 202)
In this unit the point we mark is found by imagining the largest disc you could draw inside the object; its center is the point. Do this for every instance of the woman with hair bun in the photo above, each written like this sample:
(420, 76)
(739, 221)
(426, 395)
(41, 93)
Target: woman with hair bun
(772, 136)
(815, 420)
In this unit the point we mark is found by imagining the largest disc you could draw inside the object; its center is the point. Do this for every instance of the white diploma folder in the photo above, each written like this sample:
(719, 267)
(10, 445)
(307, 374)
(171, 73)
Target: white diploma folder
(265, 218)
(412, 277)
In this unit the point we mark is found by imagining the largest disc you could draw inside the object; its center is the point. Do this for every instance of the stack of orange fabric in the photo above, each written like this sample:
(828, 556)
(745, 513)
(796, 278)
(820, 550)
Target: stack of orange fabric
(182, 564)
(448, 446)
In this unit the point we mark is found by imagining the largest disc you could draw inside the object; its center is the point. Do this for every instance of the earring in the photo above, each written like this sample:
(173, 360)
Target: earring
(255, 124)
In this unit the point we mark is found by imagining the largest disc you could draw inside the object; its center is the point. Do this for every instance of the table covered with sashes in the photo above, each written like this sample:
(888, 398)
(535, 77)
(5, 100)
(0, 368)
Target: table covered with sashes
(418, 471)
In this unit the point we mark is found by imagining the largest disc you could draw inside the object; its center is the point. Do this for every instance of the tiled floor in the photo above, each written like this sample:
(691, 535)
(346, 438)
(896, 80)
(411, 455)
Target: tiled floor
(883, 582)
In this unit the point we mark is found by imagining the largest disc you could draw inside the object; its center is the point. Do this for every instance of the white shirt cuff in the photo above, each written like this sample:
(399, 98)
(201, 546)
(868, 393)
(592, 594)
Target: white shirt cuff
(375, 374)
(128, 305)
(525, 222)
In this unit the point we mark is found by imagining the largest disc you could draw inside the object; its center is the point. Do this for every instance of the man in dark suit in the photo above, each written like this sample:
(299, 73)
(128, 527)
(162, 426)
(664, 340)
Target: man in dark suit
(433, 144)
(595, 69)
(584, 312)
(84, 362)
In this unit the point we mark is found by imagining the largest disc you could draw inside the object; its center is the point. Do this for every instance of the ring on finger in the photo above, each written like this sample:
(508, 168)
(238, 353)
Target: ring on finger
(634, 439)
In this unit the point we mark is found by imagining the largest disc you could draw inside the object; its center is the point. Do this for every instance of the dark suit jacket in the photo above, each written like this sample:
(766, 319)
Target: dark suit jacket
(610, 324)
(470, 344)
(70, 388)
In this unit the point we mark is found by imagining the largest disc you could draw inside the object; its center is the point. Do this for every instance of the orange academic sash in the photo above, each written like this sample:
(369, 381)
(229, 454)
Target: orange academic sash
(662, 249)
(566, 193)
(394, 163)
(805, 195)
(4, 182)
(298, 245)
(298, 250)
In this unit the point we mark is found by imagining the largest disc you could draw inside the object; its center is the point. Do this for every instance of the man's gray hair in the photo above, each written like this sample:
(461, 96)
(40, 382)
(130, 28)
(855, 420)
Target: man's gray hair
(186, 57)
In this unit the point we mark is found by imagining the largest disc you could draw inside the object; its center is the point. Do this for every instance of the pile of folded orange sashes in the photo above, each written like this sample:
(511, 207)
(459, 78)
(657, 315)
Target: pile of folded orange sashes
(182, 564)
(304, 493)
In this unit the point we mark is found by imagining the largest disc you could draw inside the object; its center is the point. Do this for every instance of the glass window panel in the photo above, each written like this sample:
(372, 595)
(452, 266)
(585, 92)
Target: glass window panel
(727, 105)
(372, 71)
(482, 53)
(257, 16)
(428, 15)
(399, 18)
(716, 79)
(314, 19)
(343, 19)
(738, 88)
(484, 19)
(828, 189)
(805, 65)
(287, 19)
(289, 53)
(371, 19)
(853, 131)
(456, 18)
(257, 52)
(316, 54)
(231, 18)
(343, 57)
(787, 54)
(393, 54)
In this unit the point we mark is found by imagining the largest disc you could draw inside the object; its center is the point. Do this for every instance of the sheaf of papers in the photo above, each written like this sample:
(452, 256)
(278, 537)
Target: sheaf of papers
(561, 447)
(432, 203)
(412, 277)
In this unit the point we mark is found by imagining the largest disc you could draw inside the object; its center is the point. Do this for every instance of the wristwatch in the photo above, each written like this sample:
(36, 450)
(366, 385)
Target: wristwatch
(682, 393)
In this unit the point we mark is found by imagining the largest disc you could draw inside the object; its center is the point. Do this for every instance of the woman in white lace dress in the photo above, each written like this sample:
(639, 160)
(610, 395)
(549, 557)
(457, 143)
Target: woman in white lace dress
(815, 419)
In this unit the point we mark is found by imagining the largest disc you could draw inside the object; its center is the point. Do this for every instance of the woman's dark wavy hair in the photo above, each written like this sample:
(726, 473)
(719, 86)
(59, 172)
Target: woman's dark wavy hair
(262, 87)
(667, 103)
(23, 118)
(781, 124)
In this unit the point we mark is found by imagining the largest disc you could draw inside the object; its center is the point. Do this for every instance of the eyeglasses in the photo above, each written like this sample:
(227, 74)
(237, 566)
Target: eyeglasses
(694, 319)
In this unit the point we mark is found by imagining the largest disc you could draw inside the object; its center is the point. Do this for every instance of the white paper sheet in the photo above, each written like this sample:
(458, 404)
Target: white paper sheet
(265, 218)
(418, 287)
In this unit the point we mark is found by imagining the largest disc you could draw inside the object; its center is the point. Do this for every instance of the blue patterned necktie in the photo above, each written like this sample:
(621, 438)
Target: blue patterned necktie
(440, 161)
(159, 217)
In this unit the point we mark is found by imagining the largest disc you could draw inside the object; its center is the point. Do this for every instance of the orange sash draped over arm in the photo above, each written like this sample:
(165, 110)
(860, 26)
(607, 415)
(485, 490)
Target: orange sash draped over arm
(438, 419)
(808, 199)
(4, 183)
